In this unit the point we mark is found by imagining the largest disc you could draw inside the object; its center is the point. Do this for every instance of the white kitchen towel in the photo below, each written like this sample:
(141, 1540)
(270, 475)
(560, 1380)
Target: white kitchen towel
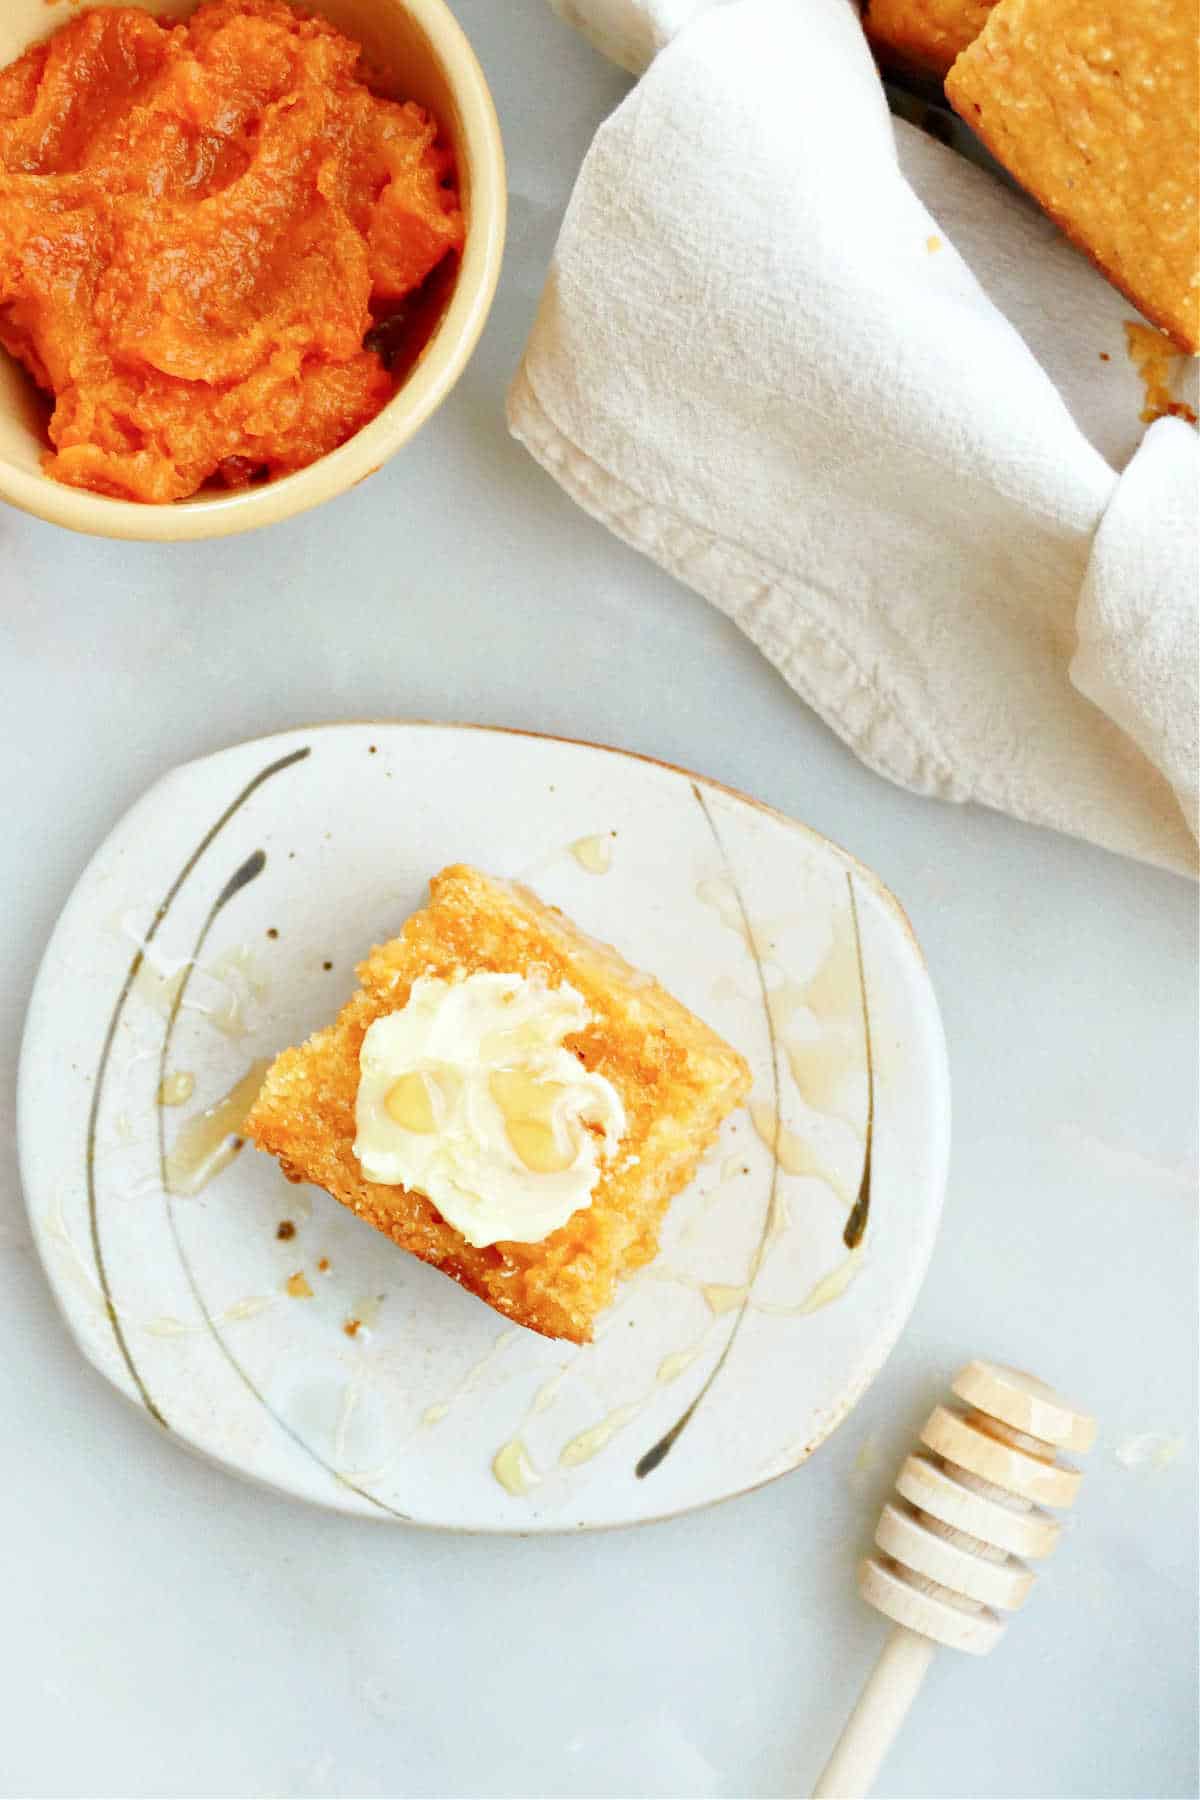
(864, 398)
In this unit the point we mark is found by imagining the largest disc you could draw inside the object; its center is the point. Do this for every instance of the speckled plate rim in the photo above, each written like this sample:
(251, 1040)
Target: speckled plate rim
(891, 1325)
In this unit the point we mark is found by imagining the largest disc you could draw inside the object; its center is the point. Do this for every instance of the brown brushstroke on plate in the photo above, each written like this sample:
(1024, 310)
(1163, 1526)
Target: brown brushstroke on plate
(658, 1452)
(160, 915)
(856, 1224)
(296, 1285)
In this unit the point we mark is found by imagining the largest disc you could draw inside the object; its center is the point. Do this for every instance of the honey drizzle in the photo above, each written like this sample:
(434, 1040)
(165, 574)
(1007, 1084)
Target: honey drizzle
(208, 1142)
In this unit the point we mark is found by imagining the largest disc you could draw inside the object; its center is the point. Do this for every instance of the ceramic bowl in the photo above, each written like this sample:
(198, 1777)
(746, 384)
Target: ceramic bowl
(421, 45)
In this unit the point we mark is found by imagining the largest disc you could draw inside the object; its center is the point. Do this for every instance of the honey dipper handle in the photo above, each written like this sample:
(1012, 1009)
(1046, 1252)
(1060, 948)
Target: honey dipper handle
(882, 1707)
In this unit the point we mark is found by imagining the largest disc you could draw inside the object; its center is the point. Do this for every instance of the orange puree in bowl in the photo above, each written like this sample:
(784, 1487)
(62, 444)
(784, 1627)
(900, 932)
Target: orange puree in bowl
(200, 224)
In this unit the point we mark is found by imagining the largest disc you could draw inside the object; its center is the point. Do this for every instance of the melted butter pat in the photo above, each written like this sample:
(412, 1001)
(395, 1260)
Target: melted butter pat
(593, 853)
(590, 1443)
(514, 1470)
(208, 1143)
(512, 1043)
(469, 1094)
(176, 1089)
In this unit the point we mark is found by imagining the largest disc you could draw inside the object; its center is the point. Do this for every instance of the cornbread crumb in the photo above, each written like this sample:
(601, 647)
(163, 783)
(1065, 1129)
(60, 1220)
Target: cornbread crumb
(1095, 108)
(1155, 360)
(675, 1076)
(297, 1286)
(933, 243)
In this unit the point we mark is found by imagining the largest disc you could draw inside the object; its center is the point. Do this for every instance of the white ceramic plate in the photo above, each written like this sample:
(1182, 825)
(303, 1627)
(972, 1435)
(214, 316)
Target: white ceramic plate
(257, 878)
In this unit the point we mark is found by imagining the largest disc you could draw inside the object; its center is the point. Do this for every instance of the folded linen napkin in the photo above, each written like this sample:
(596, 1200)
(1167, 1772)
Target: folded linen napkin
(863, 397)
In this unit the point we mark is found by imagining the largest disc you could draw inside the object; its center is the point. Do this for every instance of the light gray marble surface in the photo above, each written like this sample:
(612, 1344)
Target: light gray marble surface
(167, 1631)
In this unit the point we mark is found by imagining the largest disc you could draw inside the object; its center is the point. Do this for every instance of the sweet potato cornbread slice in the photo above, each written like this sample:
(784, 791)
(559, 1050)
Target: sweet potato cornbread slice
(1095, 108)
(676, 1078)
(923, 35)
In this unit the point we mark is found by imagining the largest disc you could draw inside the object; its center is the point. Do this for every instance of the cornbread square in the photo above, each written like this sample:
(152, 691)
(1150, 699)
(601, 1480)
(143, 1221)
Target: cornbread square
(923, 35)
(676, 1078)
(1095, 108)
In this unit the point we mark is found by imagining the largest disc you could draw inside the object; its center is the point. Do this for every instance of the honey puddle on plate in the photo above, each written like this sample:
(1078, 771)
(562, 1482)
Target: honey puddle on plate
(157, 990)
(513, 1466)
(589, 1443)
(832, 1048)
(177, 1088)
(160, 979)
(237, 974)
(593, 853)
(790, 1151)
(208, 1143)
(820, 1059)
(433, 1415)
(830, 1288)
(514, 1470)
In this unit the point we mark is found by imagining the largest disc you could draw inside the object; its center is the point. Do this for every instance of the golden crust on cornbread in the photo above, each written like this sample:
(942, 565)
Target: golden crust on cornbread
(923, 35)
(677, 1080)
(1095, 108)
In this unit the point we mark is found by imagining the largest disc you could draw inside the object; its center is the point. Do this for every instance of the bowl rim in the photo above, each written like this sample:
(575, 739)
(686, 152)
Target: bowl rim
(442, 362)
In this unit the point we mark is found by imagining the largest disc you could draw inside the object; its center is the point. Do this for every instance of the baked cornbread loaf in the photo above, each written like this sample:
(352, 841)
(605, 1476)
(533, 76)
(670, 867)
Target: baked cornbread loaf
(1094, 107)
(676, 1078)
(923, 35)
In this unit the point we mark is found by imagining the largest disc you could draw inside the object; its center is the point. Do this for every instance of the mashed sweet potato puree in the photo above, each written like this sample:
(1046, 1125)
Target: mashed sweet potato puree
(199, 226)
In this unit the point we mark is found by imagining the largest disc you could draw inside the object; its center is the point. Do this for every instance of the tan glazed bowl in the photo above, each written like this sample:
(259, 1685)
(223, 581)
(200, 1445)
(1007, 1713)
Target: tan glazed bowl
(422, 50)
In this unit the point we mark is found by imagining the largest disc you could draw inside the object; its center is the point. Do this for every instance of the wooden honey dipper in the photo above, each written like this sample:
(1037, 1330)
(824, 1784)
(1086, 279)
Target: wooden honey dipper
(951, 1548)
